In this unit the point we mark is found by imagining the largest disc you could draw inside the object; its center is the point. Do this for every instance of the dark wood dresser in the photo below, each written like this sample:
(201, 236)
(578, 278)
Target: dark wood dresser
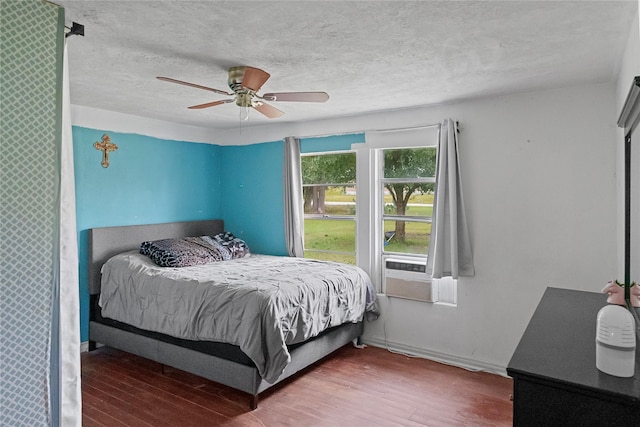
(555, 379)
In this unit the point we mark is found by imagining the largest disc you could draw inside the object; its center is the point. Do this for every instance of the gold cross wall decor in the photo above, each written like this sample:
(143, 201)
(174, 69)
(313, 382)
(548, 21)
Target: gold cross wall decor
(105, 146)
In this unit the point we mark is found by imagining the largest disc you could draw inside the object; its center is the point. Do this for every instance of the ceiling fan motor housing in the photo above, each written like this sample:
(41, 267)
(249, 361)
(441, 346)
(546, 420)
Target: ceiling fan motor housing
(236, 75)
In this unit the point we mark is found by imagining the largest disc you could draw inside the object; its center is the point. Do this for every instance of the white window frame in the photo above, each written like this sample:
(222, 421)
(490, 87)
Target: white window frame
(400, 256)
(370, 203)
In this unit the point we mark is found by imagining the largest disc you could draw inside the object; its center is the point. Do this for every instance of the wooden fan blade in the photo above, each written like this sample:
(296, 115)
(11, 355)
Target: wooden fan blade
(210, 104)
(180, 82)
(297, 96)
(268, 110)
(254, 78)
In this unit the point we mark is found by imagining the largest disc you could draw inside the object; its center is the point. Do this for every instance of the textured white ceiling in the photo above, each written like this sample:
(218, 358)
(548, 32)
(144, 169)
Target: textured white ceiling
(368, 55)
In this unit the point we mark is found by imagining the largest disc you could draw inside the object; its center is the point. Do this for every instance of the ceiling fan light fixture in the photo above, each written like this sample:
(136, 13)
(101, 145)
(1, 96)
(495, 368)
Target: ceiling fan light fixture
(245, 82)
(244, 113)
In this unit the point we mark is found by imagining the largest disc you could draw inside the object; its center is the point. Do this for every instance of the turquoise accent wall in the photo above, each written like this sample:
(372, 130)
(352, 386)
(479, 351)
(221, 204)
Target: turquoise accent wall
(252, 197)
(330, 143)
(149, 180)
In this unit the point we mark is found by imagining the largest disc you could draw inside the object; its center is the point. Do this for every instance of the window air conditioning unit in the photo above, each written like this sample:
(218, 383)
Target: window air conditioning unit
(407, 278)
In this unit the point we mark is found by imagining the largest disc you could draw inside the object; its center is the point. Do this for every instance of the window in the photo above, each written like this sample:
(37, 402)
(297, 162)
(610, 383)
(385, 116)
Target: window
(407, 188)
(329, 191)
(386, 229)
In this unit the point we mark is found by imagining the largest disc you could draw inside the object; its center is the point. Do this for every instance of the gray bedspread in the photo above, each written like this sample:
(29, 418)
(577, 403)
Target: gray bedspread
(260, 303)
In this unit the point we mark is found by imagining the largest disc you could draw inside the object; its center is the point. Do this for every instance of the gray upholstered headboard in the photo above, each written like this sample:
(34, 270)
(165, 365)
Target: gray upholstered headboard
(109, 241)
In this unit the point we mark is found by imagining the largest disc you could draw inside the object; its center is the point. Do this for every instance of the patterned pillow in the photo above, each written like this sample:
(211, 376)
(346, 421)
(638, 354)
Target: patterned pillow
(188, 251)
(236, 246)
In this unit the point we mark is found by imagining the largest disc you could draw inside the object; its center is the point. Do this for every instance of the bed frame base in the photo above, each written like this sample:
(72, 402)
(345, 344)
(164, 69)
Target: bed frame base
(232, 374)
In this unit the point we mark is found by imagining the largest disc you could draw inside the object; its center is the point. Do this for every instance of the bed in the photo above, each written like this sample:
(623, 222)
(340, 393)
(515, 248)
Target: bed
(233, 362)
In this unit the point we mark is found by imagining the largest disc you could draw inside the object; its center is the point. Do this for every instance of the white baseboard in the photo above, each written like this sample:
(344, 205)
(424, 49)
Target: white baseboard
(448, 359)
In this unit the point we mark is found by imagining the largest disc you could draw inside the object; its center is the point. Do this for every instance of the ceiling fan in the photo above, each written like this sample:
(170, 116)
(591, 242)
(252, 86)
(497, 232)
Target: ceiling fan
(245, 82)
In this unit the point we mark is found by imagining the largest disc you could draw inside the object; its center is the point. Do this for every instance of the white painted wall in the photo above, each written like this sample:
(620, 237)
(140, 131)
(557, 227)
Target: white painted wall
(630, 67)
(539, 183)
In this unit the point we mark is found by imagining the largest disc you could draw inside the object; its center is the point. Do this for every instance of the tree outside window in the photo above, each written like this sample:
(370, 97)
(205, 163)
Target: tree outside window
(407, 186)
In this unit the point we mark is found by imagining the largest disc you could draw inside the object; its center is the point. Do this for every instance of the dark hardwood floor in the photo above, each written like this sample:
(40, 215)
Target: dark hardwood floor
(353, 387)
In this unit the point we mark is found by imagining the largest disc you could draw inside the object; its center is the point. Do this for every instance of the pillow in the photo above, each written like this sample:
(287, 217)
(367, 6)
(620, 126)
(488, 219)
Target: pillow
(236, 246)
(188, 251)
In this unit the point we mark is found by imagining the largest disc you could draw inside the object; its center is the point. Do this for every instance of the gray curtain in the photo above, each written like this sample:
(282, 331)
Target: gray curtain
(293, 208)
(450, 247)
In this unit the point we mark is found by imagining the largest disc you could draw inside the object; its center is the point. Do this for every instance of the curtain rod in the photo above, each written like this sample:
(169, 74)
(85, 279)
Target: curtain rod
(75, 29)
(375, 130)
(411, 128)
(416, 127)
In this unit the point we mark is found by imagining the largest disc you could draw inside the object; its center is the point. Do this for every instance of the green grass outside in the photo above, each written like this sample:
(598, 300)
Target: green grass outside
(339, 236)
(343, 258)
(324, 234)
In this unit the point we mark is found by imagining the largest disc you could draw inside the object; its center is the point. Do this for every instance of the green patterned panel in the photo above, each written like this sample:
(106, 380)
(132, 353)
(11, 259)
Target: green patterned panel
(30, 64)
